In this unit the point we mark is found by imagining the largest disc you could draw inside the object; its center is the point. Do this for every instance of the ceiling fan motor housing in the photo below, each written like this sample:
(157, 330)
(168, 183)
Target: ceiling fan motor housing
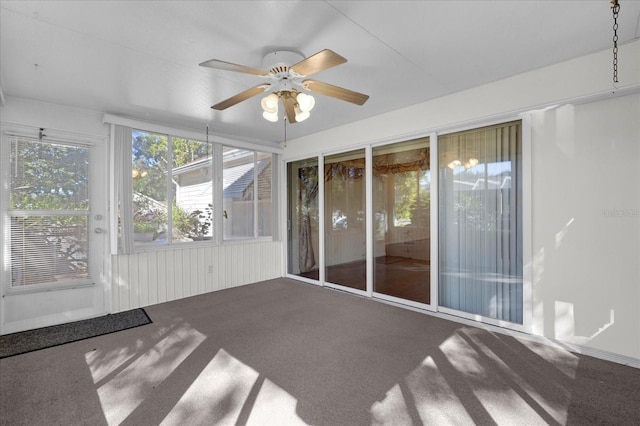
(280, 60)
(278, 64)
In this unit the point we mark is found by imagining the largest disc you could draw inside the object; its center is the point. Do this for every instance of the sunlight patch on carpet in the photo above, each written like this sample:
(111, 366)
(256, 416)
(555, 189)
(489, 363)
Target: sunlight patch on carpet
(227, 391)
(121, 395)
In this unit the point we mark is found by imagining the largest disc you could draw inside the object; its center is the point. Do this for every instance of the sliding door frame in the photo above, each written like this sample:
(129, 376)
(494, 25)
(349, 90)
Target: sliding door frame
(433, 307)
(527, 295)
(433, 232)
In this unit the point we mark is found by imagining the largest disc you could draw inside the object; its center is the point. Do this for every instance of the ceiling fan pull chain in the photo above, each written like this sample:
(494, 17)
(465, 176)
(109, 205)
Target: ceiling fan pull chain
(615, 6)
(285, 131)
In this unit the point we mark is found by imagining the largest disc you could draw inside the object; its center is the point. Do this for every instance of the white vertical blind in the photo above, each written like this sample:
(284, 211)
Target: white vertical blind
(480, 212)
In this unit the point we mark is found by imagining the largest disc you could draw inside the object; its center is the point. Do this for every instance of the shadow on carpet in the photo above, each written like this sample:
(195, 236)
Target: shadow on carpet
(55, 335)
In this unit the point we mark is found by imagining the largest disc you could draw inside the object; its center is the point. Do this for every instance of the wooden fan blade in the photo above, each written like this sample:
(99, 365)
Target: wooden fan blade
(228, 66)
(242, 96)
(320, 61)
(289, 106)
(335, 91)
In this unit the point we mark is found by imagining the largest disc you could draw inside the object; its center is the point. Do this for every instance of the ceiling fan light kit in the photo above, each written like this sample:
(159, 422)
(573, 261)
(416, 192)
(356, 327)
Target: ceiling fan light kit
(270, 116)
(288, 83)
(305, 102)
(270, 103)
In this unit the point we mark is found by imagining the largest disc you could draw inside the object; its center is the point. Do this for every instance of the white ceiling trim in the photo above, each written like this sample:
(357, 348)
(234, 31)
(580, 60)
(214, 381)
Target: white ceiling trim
(188, 134)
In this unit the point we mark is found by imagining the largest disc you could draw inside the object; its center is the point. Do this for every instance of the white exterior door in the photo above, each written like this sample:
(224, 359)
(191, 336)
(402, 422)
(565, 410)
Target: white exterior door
(54, 231)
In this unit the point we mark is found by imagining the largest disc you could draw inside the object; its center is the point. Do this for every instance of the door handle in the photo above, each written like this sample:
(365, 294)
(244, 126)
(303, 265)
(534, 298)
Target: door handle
(98, 230)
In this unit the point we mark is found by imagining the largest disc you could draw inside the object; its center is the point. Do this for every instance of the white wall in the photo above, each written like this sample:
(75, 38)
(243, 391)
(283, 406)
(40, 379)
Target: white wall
(586, 224)
(53, 117)
(577, 78)
(20, 310)
(584, 158)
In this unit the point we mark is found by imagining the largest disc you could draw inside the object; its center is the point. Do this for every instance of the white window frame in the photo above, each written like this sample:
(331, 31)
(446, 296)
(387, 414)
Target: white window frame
(255, 200)
(217, 142)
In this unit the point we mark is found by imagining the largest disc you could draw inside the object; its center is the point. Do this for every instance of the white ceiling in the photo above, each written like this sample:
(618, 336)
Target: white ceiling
(140, 58)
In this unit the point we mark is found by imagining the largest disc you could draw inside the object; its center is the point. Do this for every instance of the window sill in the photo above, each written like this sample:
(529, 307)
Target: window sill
(151, 248)
(41, 288)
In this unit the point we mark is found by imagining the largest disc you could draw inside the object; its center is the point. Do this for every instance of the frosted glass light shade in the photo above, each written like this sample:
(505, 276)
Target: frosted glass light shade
(270, 116)
(306, 102)
(270, 103)
(301, 115)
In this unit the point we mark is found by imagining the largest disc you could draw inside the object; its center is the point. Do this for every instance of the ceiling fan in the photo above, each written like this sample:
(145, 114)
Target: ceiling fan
(289, 83)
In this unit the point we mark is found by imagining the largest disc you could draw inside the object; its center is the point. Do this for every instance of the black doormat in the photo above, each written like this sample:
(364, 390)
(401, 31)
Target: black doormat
(41, 338)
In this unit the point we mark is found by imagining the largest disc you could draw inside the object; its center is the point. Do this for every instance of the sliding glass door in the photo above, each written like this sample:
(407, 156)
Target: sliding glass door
(401, 212)
(480, 217)
(344, 219)
(479, 260)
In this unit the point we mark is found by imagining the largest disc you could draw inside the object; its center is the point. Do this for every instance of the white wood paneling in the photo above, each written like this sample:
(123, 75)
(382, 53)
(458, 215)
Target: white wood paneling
(143, 279)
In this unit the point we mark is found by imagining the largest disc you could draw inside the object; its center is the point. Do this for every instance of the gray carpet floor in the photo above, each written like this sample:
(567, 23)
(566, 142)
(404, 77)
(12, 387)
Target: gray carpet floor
(282, 352)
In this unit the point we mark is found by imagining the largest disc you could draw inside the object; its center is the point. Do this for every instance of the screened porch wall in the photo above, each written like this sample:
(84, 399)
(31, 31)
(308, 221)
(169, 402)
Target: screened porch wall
(583, 155)
(143, 279)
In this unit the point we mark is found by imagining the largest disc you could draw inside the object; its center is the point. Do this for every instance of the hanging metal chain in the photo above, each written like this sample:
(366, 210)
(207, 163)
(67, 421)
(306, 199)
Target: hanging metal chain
(615, 7)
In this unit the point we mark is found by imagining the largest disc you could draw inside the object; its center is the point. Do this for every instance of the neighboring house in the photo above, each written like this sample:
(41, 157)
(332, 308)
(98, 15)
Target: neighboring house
(193, 183)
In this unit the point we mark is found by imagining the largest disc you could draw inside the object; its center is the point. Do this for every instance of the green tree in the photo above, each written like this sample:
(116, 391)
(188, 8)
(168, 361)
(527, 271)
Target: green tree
(150, 171)
(150, 161)
(48, 176)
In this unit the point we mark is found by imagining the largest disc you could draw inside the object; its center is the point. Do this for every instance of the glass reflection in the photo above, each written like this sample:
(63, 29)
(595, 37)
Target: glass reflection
(345, 234)
(303, 219)
(401, 204)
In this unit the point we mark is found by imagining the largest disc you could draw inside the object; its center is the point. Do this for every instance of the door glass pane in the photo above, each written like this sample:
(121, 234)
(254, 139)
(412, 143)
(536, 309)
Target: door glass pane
(303, 219)
(480, 212)
(49, 209)
(401, 203)
(48, 249)
(48, 176)
(345, 234)
(237, 203)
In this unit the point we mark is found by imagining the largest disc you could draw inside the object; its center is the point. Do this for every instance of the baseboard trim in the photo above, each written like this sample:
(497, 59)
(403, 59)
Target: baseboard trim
(597, 353)
(571, 347)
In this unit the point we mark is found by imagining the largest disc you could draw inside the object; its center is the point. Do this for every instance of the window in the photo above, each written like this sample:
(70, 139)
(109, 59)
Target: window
(247, 212)
(49, 212)
(171, 190)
